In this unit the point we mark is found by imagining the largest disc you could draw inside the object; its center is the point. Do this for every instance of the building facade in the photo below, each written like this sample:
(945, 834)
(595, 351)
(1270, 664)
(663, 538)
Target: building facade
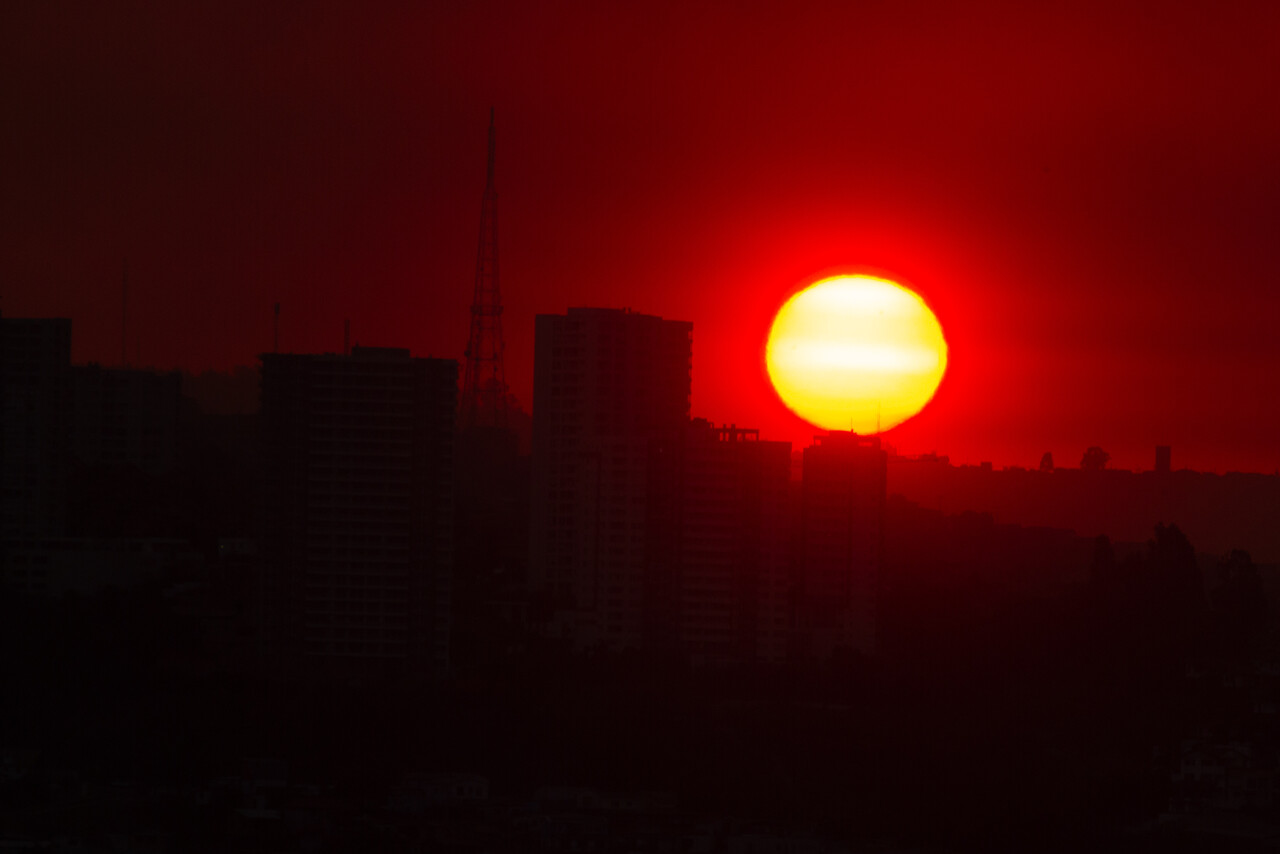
(35, 425)
(723, 554)
(840, 544)
(608, 385)
(125, 418)
(357, 542)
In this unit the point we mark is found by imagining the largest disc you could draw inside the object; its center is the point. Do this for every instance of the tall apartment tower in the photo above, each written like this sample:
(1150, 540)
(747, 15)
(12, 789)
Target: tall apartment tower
(357, 544)
(35, 425)
(608, 385)
(720, 553)
(840, 544)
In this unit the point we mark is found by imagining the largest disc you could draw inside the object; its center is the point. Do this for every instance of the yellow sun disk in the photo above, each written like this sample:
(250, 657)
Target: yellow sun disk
(856, 352)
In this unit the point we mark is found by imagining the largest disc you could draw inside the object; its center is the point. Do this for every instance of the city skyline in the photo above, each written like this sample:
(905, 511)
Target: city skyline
(226, 391)
(315, 535)
(313, 614)
(1080, 198)
(237, 392)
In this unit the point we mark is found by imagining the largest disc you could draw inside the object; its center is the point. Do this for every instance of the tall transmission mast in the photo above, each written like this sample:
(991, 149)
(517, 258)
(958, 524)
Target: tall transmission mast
(484, 386)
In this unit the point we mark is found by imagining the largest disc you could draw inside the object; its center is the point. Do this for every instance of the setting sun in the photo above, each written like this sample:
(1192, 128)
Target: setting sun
(856, 353)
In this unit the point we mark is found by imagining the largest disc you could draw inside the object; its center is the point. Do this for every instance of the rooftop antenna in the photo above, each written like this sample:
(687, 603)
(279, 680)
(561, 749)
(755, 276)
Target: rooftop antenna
(124, 315)
(484, 386)
(275, 330)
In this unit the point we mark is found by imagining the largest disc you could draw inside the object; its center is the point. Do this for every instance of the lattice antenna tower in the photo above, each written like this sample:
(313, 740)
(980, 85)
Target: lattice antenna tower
(484, 386)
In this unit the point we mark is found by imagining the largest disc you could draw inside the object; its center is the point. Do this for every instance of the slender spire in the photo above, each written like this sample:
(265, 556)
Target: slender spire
(484, 386)
(493, 142)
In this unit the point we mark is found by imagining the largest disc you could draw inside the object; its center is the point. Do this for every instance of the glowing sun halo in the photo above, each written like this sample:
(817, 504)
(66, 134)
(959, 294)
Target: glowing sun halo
(856, 353)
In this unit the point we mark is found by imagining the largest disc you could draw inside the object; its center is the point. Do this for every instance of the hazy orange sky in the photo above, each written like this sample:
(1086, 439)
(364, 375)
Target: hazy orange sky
(1086, 194)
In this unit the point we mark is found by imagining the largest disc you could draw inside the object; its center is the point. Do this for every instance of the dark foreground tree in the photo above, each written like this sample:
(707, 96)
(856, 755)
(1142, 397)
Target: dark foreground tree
(1094, 459)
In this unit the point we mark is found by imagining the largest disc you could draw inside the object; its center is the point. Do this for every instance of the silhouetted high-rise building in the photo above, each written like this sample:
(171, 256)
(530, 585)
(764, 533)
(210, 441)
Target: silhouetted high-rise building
(840, 543)
(125, 418)
(357, 543)
(608, 384)
(35, 365)
(719, 554)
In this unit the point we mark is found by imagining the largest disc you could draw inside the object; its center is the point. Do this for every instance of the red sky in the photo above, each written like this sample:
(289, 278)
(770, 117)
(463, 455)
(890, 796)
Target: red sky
(1088, 195)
